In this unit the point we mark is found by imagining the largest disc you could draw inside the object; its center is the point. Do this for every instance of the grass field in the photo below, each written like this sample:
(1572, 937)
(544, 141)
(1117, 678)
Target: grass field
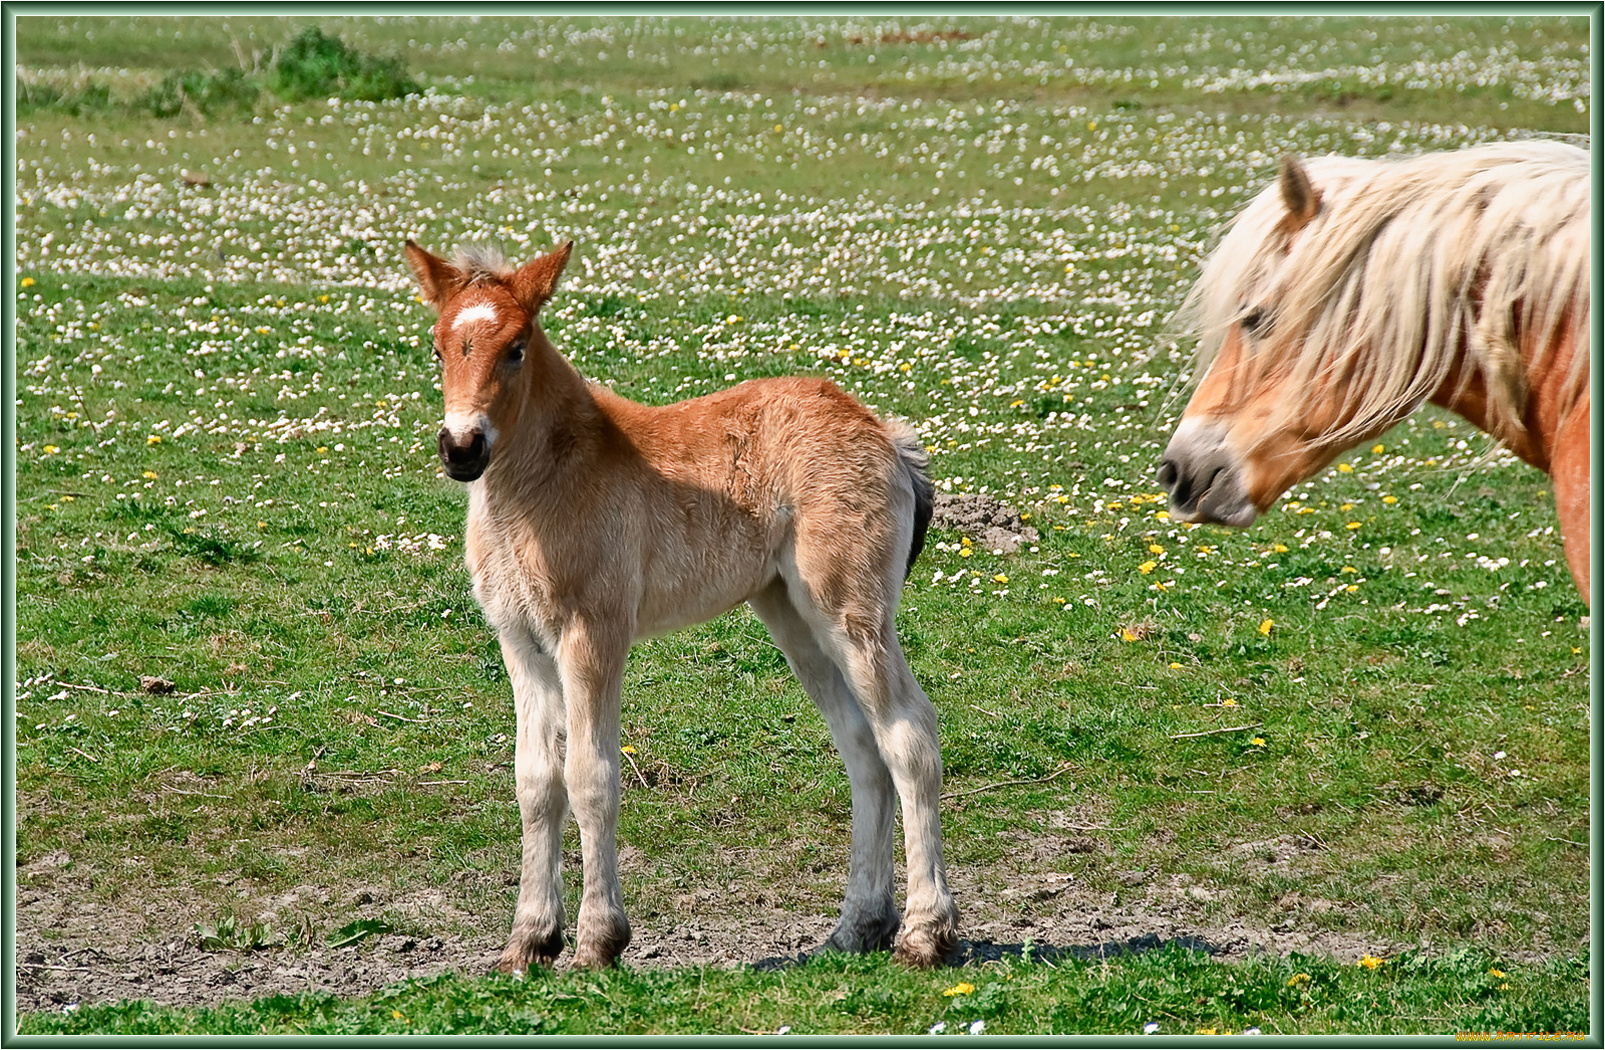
(226, 478)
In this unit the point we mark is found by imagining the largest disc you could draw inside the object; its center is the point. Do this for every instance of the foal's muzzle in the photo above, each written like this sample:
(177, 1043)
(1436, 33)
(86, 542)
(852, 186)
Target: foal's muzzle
(1204, 478)
(465, 456)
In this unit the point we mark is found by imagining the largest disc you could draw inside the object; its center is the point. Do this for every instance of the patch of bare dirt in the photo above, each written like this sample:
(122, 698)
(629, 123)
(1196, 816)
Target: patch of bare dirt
(994, 526)
(71, 949)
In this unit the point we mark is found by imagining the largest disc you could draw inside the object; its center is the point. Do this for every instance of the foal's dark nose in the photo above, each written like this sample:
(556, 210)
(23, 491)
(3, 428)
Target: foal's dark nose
(464, 460)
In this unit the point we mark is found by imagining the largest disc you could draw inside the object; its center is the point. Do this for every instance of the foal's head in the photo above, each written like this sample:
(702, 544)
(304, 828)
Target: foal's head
(487, 321)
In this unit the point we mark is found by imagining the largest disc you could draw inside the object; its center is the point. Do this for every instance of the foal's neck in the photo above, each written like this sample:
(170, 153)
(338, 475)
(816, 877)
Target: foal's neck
(559, 422)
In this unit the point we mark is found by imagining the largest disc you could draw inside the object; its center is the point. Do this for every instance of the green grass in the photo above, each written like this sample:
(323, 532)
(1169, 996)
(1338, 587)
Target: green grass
(226, 478)
(1175, 990)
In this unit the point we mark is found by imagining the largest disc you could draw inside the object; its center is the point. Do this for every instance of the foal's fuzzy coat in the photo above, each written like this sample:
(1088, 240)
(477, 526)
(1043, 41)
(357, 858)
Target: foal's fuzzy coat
(594, 521)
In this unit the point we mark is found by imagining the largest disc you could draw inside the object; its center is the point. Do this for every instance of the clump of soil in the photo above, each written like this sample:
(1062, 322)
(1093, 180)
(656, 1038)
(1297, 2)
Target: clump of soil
(994, 526)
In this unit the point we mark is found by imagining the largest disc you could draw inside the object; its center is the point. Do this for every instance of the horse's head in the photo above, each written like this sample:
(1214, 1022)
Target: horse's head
(1261, 419)
(487, 322)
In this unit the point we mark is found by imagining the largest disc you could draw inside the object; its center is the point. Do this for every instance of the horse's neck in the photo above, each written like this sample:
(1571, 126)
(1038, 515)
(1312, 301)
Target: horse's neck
(559, 431)
(1547, 405)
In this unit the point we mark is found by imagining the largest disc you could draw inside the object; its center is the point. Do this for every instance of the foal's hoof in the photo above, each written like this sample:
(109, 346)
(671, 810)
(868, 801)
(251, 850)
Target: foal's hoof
(522, 954)
(594, 960)
(925, 947)
(864, 934)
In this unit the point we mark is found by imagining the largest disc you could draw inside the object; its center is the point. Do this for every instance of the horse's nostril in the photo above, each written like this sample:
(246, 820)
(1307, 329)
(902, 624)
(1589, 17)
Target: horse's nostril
(455, 452)
(1167, 474)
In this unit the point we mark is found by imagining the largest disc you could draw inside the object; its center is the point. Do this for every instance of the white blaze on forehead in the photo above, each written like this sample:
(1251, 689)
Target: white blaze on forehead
(477, 312)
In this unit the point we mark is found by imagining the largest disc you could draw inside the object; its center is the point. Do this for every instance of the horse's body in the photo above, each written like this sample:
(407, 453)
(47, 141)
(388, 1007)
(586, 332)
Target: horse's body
(594, 521)
(1353, 291)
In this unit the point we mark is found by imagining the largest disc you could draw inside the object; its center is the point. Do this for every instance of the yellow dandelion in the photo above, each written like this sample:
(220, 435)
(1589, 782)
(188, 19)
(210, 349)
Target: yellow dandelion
(628, 749)
(1495, 972)
(962, 988)
(1280, 548)
(323, 448)
(149, 474)
(1000, 578)
(1348, 568)
(965, 553)
(1154, 548)
(1351, 588)
(1265, 627)
(1298, 980)
(1259, 741)
(1352, 525)
(51, 450)
(1126, 635)
(1346, 468)
(1377, 450)
(1390, 499)
(1175, 666)
(1058, 601)
(27, 282)
(1369, 961)
(1147, 567)
(1228, 702)
(1162, 515)
(1016, 403)
(154, 439)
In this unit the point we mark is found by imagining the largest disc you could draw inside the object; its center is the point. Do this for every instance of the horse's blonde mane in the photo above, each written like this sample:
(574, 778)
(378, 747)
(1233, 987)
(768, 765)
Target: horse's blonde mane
(1409, 270)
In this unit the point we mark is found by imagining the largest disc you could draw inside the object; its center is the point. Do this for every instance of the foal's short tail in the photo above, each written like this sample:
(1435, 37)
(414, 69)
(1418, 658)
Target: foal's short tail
(911, 450)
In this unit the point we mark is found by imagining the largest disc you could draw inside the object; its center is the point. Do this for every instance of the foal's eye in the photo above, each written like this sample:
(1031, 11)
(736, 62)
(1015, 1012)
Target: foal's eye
(515, 353)
(1253, 321)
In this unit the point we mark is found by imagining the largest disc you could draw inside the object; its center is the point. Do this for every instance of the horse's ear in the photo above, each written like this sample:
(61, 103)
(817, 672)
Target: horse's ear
(438, 279)
(1303, 200)
(536, 280)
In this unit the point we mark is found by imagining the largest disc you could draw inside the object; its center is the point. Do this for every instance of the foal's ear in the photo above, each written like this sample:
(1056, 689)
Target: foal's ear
(1303, 200)
(536, 280)
(438, 279)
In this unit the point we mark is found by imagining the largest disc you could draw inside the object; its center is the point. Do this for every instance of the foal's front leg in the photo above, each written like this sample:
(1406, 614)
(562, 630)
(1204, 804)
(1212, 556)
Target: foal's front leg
(537, 937)
(591, 659)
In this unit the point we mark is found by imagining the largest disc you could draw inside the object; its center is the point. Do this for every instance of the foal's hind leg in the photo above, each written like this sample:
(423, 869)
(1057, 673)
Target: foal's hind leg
(904, 723)
(537, 937)
(869, 916)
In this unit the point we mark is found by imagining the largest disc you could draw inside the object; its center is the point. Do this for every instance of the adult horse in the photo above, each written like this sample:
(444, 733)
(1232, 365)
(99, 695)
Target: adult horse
(1351, 291)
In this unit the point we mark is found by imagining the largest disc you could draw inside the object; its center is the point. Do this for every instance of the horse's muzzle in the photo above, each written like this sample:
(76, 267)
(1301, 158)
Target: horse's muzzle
(1204, 478)
(464, 457)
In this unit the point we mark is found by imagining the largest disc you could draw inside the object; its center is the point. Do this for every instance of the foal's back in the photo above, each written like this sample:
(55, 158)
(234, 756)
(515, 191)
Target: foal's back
(744, 484)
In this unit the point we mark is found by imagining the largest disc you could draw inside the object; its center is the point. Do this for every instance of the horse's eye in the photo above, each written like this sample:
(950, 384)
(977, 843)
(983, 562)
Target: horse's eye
(436, 349)
(515, 353)
(1253, 320)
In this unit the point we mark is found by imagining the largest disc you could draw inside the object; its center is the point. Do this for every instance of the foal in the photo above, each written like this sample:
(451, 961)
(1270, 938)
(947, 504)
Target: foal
(594, 521)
